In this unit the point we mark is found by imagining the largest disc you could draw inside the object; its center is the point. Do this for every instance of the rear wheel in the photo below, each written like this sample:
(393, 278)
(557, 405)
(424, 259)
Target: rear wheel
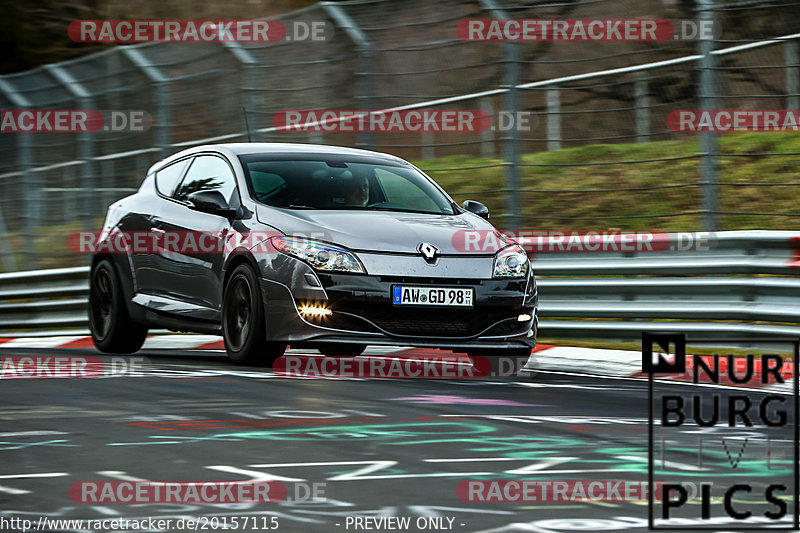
(243, 325)
(341, 350)
(112, 329)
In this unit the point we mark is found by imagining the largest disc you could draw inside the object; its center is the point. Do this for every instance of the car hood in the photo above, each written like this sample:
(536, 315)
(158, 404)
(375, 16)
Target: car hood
(380, 231)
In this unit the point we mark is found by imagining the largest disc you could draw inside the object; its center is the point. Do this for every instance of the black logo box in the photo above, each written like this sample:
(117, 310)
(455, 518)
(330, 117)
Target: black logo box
(678, 366)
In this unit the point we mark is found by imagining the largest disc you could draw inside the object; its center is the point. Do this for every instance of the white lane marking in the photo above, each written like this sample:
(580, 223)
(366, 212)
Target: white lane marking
(120, 475)
(671, 464)
(178, 342)
(40, 342)
(360, 474)
(31, 433)
(11, 490)
(640, 380)
(26, 476)
(254, 474)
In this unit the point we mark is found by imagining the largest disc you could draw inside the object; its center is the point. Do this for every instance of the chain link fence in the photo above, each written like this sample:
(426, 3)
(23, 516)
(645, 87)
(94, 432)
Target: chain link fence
(598, 153)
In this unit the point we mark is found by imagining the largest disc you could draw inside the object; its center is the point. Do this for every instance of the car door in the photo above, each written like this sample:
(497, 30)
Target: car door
(191, 265)
(145, 265)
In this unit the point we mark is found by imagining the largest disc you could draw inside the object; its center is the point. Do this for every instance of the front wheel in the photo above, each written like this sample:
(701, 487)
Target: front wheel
(112, 329)
(243, 325)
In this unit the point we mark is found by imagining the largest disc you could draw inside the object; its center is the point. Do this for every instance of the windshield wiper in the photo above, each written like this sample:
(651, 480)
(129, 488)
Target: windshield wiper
(292, 206)
(399, 210)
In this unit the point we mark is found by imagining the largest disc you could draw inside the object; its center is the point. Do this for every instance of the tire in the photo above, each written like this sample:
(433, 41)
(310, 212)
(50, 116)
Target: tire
(341, 350)
(243, 326)
(112, 329)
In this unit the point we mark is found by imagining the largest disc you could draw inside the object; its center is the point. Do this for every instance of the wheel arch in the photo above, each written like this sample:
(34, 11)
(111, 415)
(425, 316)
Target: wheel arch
(236, 258)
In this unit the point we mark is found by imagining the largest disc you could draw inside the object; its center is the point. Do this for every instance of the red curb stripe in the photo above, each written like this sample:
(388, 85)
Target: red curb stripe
(794, 261)
(755, 382)
(213, 345)
(83, 342)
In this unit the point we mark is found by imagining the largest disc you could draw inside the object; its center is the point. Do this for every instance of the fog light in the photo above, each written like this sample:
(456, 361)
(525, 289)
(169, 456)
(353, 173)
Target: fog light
(314, 311)
(524, 317)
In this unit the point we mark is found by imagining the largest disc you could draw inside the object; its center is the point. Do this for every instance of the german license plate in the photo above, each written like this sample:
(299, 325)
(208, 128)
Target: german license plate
(441, 296)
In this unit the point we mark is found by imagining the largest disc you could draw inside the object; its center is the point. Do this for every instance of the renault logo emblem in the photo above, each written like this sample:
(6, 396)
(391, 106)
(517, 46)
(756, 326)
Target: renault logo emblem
(428, 251)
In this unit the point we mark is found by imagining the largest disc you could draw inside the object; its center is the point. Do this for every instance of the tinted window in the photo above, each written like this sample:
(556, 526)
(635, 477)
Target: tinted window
(400, 190)
(209, 173)
(337, 184)
(167, 178)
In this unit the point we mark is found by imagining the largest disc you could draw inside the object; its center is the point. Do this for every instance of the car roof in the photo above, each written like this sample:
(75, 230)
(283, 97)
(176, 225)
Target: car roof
(237, 149)
(271, 148)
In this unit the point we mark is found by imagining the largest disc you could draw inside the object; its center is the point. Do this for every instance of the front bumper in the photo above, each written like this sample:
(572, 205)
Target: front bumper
(362, 312)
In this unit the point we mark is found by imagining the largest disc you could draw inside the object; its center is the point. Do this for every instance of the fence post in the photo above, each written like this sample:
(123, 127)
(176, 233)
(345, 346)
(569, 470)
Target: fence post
(364, 73)
(487, 135)
(791, 56)
(85, 145)
(642, 99)
(161, 82)
(6, 254)
(708, 142)
(252, 120)
(553, 119)
(510, 138)
(30, 200)
(29, 181)
(428, 151)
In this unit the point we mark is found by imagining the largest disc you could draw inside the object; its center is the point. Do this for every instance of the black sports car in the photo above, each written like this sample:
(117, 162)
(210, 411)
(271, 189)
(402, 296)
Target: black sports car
(306, 245)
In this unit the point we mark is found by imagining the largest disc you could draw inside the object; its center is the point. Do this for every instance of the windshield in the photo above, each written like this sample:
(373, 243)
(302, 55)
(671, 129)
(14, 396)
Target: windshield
(342, 184)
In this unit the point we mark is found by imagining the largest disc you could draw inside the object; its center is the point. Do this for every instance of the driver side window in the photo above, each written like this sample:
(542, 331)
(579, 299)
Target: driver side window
(209, 173)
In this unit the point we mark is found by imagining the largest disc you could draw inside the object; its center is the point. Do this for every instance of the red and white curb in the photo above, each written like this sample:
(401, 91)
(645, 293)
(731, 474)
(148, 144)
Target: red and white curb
(564, 359)
(617, 364)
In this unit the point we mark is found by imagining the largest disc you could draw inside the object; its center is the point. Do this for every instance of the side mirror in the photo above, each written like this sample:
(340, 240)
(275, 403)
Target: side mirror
(210, 202)
(476, 207)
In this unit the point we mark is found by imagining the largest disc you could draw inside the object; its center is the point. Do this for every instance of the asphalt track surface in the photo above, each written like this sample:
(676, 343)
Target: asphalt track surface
(378, 447)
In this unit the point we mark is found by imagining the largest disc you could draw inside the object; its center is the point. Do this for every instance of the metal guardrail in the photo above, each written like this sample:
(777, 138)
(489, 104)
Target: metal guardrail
(745, 284)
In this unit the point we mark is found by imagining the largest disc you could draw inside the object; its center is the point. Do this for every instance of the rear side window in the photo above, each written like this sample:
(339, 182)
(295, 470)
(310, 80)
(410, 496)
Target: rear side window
(168, 177)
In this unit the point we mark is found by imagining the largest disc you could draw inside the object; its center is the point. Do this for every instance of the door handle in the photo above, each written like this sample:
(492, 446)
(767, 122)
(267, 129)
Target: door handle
(158, 234)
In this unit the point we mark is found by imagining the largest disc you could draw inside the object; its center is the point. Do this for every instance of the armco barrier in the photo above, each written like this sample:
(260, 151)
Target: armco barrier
(745, 284)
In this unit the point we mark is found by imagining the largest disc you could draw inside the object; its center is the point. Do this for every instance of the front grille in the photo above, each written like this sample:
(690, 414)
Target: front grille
(428, 322)
(414, 280)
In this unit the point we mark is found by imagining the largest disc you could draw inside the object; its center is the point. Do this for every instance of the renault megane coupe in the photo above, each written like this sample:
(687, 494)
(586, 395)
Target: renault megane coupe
(313, 246)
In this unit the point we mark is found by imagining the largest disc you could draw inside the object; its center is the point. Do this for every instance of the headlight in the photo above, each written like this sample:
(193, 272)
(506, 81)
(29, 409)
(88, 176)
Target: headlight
(510, 262)
(320, 255)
